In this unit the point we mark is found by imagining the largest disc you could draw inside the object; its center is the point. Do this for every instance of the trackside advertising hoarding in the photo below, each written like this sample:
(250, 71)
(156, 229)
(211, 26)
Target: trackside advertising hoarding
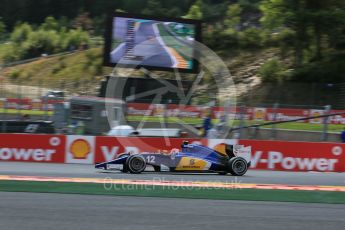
(190, 111)
(28, 104)
(265, 155)
(296, 156)
(32, 148)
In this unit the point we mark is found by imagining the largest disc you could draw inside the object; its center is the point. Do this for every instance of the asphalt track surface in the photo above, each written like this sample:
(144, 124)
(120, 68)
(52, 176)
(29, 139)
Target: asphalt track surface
(35, 211)
(252, 176)
(147, 46)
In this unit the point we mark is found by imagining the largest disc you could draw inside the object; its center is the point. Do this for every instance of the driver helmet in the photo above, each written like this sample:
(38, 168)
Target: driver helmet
(184, 144)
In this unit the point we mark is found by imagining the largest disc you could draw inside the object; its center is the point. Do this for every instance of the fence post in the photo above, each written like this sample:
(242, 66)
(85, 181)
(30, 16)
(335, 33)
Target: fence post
(242, 116)
(46, 108)
(2, 88)
(274, 128)
(325, 123)
(19, 102)
(3, 127)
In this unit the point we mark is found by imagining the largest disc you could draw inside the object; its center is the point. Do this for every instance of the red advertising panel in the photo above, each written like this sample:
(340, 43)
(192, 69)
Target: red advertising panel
(296, 156)
(27, 104)
(337, 119)
(173, 110)
(107, 148)
(269, 114)
(218, 112)
(15, 103)
(32, 148)
(139, 109)
(250, 113)
(184, 111)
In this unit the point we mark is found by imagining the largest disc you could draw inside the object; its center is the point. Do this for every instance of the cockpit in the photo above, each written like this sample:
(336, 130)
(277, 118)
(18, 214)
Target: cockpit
(222, 149)
(195, 148)
(185, 144)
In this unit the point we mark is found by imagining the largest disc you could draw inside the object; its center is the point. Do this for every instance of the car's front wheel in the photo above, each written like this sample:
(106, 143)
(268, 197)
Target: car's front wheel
(237, 166)
(136, 164)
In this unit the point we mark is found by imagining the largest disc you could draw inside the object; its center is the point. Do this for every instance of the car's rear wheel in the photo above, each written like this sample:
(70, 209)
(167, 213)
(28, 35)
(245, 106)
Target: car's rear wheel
(136, 164)
(237, 166)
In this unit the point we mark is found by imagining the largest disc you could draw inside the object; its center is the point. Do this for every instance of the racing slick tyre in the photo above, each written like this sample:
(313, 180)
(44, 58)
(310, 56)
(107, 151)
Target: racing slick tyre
(237, 166)
(136, 164)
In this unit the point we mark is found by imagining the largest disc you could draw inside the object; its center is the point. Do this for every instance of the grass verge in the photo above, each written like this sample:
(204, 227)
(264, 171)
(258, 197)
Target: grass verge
(26, 111)
(196, 121)
(199, 121)
(175, 192)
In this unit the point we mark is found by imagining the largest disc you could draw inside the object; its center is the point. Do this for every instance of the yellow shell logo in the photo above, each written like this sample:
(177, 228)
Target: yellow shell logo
(36, 105)
(205, 112)
(80, 148)
(159, 110)
(315, 114)
(259, 114)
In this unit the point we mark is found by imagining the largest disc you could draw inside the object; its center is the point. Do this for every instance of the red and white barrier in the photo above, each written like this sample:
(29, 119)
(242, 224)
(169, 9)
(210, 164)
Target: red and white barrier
(267, 155)
(32, 148)
(28, 104)
(296, 156)
(173, 110)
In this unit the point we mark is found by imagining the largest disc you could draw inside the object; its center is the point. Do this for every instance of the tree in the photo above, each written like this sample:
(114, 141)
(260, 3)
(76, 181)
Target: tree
(195, 11)
(49, 38)
(214, 12)
(233, 16)
(50, 24)
(251, 38)
(174, 12)
(154, 7)
(289, 13)
(310, 20)
(2, 30)
(271, 71)
(84, 22)
(77, 37)
(40, 42)
(327, 18)
(21, 33)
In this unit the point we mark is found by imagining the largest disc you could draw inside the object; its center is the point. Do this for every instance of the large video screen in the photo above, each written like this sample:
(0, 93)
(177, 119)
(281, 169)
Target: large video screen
(153, 43)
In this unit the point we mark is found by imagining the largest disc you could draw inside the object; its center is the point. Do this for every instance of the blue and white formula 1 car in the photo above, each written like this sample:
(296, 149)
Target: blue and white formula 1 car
(191, 158)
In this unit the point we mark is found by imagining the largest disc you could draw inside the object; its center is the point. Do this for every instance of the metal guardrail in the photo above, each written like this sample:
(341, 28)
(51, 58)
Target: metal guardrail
(325, 123)
(35, 59)
(3, 65)
(286, 121)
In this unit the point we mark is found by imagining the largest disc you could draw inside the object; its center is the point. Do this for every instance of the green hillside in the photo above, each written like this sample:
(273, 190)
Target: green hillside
(276, 42)
(77, 73)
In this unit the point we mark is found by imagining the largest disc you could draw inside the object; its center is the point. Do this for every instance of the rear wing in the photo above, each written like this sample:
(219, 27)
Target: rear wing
(242, 151)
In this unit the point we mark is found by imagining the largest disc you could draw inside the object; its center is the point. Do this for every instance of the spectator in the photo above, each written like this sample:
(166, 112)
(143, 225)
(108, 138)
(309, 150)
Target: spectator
(207, 125)
(25, 117)
(343, 136)
(221, 124)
